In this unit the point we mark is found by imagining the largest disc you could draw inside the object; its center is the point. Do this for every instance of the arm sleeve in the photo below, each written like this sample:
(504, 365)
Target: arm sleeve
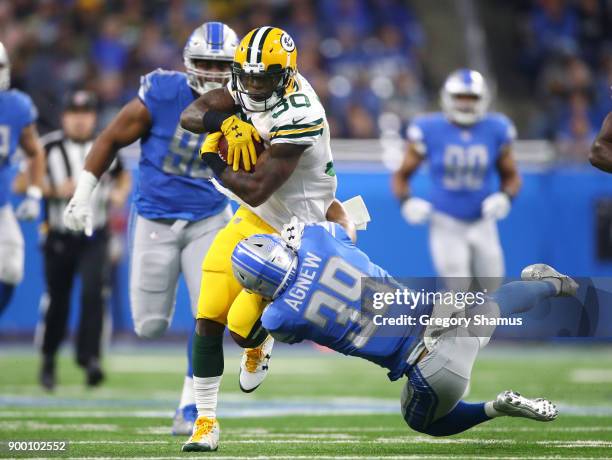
(274, 322)
(416, 137)
(302, 122)
(507, 132)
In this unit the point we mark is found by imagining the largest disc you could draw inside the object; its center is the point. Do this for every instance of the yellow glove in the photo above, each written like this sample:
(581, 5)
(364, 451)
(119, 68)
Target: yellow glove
(211, 143)
(240, 135)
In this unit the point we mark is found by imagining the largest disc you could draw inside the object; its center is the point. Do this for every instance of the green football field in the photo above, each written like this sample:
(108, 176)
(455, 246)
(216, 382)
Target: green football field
(313, 405)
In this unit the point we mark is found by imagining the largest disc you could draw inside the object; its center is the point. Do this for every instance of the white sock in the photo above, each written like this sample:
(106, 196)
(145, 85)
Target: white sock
(206, 390)
(187, 396)
(491, 411)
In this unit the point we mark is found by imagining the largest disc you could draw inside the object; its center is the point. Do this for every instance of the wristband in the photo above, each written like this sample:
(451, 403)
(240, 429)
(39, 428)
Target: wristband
(216, 163)
(212, 120)
(34, 192)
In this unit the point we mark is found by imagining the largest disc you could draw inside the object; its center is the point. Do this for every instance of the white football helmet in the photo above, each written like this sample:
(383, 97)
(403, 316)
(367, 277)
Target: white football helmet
(473, 106)
(212, 41)
(5, 69)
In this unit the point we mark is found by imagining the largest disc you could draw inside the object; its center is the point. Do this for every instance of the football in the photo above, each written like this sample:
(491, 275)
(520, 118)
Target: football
(259, 147)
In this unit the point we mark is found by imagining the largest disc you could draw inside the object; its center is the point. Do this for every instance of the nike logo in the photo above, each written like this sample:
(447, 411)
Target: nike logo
(295, 121)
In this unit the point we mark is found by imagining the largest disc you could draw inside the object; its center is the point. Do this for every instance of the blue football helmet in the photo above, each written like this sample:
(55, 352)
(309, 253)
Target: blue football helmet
(473, 106)
(212, 41)
(263, 264)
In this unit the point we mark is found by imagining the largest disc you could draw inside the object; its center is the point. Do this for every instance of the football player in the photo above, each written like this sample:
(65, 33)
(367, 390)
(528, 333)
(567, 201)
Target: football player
(601, 150)
(466, 147)
(315, 285)
(17, 128)
(178, 211)
(294, 175)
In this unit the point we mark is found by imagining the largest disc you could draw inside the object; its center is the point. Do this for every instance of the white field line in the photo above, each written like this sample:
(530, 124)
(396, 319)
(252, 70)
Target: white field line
(339, 457)
(591, 376)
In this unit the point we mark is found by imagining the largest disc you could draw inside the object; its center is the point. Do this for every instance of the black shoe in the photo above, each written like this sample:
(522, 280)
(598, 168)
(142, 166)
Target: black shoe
(95, 376)
(47, 373)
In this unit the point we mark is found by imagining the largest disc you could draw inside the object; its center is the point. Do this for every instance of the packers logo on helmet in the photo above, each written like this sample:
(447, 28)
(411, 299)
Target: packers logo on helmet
(264, 67)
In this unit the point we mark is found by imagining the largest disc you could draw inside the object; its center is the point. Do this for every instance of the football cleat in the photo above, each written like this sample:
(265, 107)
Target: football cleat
(541, 272)
(254, 365)
(184, 419)
(513, 404)
(205, 436)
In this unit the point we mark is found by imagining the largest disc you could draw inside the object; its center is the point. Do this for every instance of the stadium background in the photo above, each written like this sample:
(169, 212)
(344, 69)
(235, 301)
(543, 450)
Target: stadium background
(374, 64)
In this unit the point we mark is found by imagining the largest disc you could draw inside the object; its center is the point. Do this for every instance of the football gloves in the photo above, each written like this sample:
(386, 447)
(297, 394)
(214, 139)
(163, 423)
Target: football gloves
(210, 144)
(416, 211)
(240, 135)
(496, 206)
(78, 215)
(29, 208)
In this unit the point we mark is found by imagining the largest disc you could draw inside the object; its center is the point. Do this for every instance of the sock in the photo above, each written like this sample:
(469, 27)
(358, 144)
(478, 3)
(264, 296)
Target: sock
(522, 296)
(206, 391)
(462, 417)
(491, 411)
(187, 396)
(207, 357)
(6, 292)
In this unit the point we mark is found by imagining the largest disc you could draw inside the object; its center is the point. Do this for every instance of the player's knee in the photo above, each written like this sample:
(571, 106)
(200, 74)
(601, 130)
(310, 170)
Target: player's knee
(151, 328)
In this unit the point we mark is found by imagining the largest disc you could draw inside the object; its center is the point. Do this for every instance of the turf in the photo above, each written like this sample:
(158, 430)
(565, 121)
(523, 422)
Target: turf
(313, 404)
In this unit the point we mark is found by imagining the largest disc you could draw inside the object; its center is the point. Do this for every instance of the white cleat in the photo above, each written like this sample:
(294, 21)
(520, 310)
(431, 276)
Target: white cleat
(542, 272)
(254, 365)
(205, 436)
(513, 404)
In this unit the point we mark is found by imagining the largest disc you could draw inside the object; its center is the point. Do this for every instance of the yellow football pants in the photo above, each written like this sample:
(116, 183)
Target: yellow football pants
(222, 298)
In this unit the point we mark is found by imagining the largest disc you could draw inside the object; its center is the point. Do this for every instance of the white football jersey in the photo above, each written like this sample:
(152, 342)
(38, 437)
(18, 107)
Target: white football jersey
(298, 119)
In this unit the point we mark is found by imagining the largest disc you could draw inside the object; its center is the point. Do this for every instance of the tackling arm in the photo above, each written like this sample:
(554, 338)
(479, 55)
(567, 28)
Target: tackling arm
(399, 180)
(601, 150)
(508, 173)
(336, 213)
(32, 147)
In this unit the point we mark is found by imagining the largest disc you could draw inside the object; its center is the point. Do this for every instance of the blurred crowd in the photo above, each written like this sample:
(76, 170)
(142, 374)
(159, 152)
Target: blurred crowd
(567, 54)
(362, 56)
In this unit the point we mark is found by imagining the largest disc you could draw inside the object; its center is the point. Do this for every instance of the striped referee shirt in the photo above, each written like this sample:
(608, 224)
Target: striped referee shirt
(65, 160)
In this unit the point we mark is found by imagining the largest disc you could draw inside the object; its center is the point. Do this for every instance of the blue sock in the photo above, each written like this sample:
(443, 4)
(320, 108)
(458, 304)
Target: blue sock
(6, 292)
(521, 296)
(189, 350)
(462, 417)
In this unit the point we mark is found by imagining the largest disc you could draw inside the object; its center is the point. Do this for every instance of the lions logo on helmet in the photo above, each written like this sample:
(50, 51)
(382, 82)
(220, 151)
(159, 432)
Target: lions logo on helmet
(5, 69)
(208, 55)
(264, 68)
(264, 264)
(465, 97)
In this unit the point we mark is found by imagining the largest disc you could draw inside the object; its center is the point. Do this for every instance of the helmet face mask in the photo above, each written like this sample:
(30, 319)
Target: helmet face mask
(208, 55)
(264, 265)
(5, 69)
(264, 68)
(465, 97)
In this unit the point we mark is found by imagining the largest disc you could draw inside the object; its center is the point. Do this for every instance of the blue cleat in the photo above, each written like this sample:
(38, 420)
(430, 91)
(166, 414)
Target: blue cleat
(184, 419)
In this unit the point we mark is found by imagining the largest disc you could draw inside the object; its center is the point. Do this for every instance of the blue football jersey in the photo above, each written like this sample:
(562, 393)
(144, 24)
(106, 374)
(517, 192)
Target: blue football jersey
(16, 112)
(325, 303)
(173, 181)
(462, 159)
